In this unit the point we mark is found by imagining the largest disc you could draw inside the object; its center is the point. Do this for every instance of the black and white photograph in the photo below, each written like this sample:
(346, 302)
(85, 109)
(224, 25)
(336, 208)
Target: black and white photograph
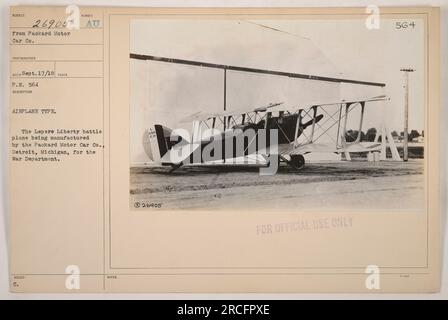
(283, 113)
(250, 150)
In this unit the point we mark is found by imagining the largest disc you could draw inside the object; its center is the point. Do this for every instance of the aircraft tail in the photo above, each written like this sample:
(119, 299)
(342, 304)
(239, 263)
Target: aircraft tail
(158, 141)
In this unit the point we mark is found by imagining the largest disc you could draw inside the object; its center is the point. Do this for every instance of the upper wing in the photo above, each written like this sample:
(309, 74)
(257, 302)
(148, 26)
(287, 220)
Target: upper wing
(203, 116)
(350, 101)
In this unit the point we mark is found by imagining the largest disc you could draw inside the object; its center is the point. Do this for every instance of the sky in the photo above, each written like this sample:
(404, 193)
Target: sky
(166, 93)
(374, 55)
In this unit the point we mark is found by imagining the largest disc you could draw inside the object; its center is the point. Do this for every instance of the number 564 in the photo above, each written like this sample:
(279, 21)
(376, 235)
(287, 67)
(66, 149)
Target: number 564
(404, 25)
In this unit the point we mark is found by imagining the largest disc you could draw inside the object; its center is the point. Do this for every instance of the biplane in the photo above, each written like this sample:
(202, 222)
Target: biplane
(299, 129)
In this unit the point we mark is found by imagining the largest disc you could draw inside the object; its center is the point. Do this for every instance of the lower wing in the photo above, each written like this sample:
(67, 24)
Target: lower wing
(327, 148)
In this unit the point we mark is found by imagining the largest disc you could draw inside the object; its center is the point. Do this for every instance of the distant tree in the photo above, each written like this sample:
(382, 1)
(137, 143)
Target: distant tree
(363, 136)
(371, 134)
(352, 135)
(394, 134)
(413, 135)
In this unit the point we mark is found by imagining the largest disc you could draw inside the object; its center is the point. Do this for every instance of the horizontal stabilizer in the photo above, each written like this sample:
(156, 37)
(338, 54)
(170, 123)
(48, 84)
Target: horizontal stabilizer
(179, 153)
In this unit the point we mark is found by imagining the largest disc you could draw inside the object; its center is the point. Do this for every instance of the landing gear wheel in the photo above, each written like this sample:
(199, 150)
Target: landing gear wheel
(297, 161)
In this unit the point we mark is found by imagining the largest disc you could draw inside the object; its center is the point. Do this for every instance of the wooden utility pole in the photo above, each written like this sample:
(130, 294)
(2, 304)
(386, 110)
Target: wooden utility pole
(225, 89)
(406, 111)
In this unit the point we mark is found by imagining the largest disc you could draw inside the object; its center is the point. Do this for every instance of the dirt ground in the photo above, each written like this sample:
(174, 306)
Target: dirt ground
(342, 185)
